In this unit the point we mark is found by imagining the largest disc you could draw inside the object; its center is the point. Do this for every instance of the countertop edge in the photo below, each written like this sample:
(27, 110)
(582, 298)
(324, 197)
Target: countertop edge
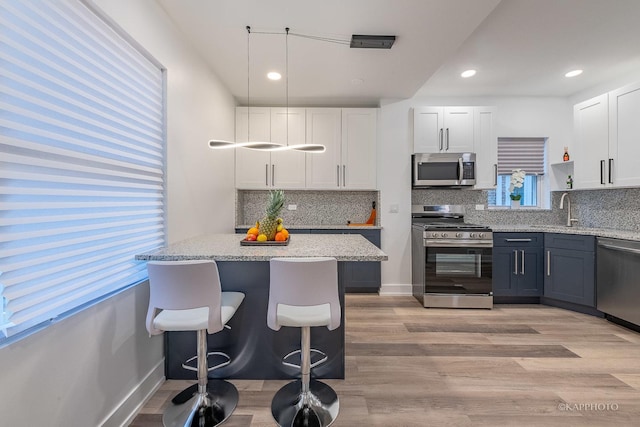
(561, 229)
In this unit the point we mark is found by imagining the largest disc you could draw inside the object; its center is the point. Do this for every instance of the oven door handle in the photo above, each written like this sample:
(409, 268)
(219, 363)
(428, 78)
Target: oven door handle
(443, 243)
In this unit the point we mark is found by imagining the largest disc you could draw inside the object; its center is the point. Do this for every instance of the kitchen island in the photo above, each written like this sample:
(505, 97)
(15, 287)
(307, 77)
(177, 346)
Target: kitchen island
(256, 351)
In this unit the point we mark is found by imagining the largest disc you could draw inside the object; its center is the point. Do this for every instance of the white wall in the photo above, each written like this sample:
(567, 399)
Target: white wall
(517, 117)
(95, 367)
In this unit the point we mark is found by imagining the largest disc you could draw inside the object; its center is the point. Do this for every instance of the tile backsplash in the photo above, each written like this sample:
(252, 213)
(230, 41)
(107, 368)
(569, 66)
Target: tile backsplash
(608, 208)
(313, 207)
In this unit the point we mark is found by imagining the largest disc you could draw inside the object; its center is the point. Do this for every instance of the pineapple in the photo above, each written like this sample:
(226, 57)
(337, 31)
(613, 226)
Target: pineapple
(269, 224)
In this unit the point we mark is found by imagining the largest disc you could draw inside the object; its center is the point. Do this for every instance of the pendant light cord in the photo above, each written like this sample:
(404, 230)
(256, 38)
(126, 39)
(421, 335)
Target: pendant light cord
(287, 77)
(248, 71)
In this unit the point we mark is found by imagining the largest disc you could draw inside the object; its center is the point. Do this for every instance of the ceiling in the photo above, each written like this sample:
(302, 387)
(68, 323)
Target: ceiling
(519, 47)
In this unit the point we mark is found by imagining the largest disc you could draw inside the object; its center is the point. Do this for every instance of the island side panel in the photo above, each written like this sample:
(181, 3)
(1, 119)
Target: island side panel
(256, 351)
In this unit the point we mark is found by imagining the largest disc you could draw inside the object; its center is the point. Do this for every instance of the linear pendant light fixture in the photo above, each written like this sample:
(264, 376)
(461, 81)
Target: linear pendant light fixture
(264, 145)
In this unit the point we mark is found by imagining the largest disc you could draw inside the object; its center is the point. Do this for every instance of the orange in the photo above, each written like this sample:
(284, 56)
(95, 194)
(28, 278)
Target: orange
(280, 237)
(253, 230)
(285, 232)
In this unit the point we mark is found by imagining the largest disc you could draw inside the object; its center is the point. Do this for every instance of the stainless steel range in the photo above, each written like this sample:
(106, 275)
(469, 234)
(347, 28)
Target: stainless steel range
(451, 260)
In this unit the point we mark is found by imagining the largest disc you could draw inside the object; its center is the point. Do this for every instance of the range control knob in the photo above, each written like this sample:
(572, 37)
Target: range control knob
(458, 234)
(481, 235)
(445, 235)
(472, 235)
(434, 234)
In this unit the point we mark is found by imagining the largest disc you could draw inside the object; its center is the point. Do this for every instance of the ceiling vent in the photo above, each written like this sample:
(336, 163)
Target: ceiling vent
(371, 42)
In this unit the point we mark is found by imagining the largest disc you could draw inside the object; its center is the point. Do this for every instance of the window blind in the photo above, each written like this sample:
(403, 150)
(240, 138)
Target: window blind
(521, 153)
(82, 160)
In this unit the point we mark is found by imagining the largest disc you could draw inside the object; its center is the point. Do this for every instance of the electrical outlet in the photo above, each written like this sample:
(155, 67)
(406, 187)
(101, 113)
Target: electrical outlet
(394, 208)
(292, 207)
(479, 207)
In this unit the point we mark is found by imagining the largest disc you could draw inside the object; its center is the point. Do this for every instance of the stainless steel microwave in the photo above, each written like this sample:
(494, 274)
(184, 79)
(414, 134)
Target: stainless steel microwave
(443, 170)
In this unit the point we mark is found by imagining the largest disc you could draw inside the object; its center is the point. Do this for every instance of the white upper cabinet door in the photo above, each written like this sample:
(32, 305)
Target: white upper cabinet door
(591, 151)
(443, 130)
(486, 146)
(253, 166)
(324, 127)
(359, 131)
(288, 167)
(624, 137)
(428, 129)
(458, 130)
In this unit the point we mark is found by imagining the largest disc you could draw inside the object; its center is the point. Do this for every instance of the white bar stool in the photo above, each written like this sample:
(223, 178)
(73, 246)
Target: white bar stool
(303, 292)
(186, 296)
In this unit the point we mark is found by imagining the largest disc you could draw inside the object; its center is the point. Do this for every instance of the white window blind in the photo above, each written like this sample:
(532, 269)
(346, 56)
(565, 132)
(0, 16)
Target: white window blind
(81, 160)
(521, 153)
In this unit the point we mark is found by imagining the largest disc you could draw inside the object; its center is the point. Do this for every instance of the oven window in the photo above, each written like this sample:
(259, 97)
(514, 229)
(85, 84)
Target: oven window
(463, 265)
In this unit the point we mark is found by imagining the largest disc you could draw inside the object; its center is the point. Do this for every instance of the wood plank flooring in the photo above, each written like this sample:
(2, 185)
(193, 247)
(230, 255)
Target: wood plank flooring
(515, 365)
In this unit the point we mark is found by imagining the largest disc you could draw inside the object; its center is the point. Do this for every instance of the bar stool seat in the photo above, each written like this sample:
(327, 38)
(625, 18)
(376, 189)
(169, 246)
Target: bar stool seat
(303, 293)
(187, 296)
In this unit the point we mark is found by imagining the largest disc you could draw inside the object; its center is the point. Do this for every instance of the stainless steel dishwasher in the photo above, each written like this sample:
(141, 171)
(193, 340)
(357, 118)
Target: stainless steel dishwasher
(618, 286)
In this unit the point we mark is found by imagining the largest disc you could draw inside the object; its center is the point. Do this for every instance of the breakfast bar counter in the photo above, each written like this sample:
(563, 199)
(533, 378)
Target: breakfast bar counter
(256, 351)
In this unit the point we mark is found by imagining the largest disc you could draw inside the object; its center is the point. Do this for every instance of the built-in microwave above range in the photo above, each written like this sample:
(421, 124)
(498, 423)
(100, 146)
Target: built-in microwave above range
(443, 170)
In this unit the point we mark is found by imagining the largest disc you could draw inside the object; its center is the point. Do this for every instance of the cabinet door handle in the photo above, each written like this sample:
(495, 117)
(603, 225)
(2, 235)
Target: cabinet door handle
(515, 262)
(495, 174)
(344, 175)
(266, 174)
(447, 139)
(602, 172)
(517, 240)
(548, 263)
(338, 174)
(273, 175)
(610, 171)
(522, 264)
(441, 141)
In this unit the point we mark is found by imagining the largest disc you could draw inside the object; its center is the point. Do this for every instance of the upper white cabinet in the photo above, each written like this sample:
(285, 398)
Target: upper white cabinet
(443, 129)
(263, 169)
(591, 153)
(486, 147)
(624, 135)
(359, 148)
(349, 135)
(607, 132)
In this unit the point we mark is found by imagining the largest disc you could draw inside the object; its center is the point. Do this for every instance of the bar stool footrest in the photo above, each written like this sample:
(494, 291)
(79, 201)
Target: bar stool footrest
(188, 367)
(312, 351)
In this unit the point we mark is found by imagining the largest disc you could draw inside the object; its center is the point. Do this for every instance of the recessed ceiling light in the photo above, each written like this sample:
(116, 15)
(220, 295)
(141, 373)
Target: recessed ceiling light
(468, 73)
(274, 75)
(573, 73)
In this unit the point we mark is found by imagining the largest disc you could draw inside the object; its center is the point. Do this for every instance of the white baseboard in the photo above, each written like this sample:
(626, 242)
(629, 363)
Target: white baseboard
(395, 289)
(127, 410)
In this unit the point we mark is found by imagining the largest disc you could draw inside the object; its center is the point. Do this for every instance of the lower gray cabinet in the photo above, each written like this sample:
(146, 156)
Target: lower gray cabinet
(517, 264)
(569, 268)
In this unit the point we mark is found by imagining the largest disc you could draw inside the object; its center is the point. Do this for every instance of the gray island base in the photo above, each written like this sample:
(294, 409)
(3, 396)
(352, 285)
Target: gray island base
(256, 351)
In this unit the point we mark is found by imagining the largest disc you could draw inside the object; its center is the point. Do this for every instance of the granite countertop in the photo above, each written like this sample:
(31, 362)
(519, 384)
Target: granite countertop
(587, 231)
(226, 247)
(324, 227)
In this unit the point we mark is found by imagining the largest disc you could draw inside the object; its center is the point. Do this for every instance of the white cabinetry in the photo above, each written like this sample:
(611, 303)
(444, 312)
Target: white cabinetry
(443, 129)
(263, 169)
(607, 132)
(349, 136)
(624, 136)
(486, 147)
(591, 153)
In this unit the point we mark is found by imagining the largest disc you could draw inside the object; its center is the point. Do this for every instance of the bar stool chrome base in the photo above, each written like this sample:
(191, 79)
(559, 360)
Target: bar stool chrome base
(204, 409)
(291, 407)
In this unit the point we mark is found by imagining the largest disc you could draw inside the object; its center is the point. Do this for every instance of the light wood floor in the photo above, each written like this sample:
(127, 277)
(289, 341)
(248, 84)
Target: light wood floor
(515, 365)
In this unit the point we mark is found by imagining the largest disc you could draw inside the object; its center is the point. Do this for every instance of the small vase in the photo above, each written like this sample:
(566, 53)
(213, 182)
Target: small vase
(515, 204)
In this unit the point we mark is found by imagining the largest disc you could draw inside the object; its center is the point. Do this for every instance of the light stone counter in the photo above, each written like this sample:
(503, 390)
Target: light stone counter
(324, 227)
(226, 247)
(586, 231)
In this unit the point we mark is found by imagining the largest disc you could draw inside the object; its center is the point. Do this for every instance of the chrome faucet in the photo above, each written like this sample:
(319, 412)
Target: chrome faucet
(570, 220)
